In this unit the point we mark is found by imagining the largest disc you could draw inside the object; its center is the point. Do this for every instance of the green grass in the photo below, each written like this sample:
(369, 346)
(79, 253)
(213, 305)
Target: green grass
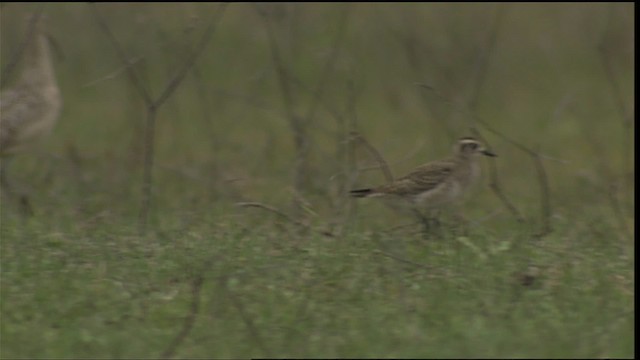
(106, 292)
(211, 279)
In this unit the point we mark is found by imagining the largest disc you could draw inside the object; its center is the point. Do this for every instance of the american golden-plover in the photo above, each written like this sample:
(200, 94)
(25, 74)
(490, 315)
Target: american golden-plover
(30, 108)
(436, 183)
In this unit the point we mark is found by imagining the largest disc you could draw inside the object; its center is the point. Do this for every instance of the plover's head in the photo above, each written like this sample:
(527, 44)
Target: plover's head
(468, 146)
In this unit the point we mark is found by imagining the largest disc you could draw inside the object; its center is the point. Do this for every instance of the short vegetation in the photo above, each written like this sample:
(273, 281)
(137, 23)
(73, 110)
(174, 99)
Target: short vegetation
(193, 199)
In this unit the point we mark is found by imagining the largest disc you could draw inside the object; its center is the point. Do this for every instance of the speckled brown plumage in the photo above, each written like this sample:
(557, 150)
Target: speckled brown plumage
(438, 182)
(30, 108)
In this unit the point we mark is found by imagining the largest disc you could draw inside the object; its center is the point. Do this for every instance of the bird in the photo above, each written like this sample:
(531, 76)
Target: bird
(30, 108)
(437, 183)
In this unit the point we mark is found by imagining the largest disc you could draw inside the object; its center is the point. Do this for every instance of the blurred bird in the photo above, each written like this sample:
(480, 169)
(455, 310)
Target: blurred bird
(30, 108)
(436, 183)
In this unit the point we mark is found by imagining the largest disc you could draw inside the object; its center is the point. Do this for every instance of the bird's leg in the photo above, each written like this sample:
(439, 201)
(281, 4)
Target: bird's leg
(7, 190)
(435, 219)
(5, 185)
(426, 222)
(25, 205)
(462, 222)
(436, 223)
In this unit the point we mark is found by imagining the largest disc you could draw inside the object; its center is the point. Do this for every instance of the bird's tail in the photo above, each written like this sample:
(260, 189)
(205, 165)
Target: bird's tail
(361, 192)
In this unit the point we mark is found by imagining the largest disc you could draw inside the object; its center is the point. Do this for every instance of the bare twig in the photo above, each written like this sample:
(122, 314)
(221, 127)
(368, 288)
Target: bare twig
(282, 215)
(113, 74)
(299, 124)
(174, 82)
(296, 122)
(481, 68)
(560, 108)
(405, 261)
(545, 192)
(496, 187)
(325, 73)
(203, 92)
(609, 72)
(153, 105)
(171, 86)
(273, 210)
(346, 155)
(124, 58)
(190, 318)
(479, 221)
(545, 196)
(301, 311)
(482, 62)
(357, 137)
(329, 65)
(147, 171)
(400, 160)
(248, 321)
(626, 122)
(542, 177)
(607, 173)
(413, 47)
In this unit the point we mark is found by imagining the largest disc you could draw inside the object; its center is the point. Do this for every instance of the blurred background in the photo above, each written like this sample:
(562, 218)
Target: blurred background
(278, 80)
(176, 113)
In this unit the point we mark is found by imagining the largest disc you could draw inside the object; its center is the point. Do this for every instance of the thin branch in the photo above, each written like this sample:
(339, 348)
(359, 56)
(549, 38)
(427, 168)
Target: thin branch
(154, 105)
(113, 74)
(174, 82)
(400, 160)
(346, 155)
(545, 192)
(626, 121)
(301, 311)
(412, 47)
(545, 197)
(248, 321)
(614, 203)
(482, 63)
(172, 85)
(282, 215)
(124, 58)
(329, 65)
(297, 124)
(357, 137)
(474, 223)
(190, 318)
(541, 173)
(281, 71)
(481, 69)
(609, 72)
(496, 187)
(147, 169)
(273, 210)
(607, 173)
(405, 261)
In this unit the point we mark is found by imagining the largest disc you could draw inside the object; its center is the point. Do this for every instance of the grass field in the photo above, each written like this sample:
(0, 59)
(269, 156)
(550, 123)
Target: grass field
(248, 245)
